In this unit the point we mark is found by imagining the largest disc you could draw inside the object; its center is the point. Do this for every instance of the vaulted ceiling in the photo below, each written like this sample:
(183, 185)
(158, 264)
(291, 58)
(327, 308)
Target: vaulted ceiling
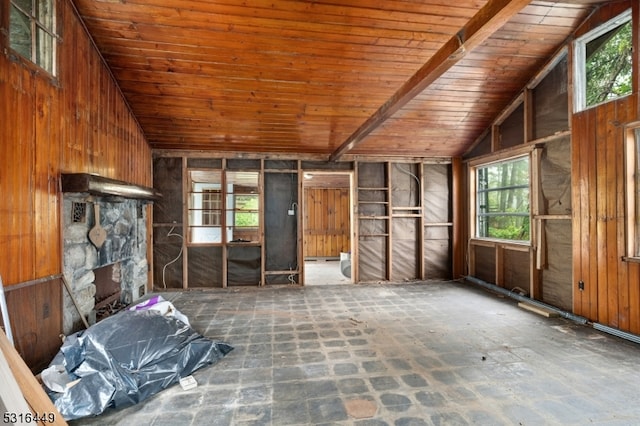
(324, 78)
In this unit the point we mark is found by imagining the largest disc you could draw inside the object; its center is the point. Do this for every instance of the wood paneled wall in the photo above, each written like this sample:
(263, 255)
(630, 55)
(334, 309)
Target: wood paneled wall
(77, 122)
(611, 294)
(326, 218)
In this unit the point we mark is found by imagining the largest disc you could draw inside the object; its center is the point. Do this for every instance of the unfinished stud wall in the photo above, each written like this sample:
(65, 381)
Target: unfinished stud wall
(402, 222)
(281, 231)
(535, 124)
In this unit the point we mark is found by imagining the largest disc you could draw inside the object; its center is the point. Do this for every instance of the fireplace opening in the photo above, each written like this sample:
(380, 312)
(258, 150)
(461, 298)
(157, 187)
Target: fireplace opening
(108, 290)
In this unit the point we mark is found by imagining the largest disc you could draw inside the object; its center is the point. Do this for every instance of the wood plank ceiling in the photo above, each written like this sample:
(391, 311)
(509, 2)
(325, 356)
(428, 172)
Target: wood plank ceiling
(324, 78)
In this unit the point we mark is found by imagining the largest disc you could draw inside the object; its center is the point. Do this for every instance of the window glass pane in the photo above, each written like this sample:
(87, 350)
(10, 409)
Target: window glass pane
(25, 5)
(243, 206)
(503, 200)
(212, 207)
(40, 47)
(45, 14)
(205, 206)
(608, 65)
(20, 33)
(246, 210)
(45, 50)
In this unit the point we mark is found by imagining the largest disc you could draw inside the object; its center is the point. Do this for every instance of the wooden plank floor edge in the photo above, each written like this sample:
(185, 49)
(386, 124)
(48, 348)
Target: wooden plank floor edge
(32, 391)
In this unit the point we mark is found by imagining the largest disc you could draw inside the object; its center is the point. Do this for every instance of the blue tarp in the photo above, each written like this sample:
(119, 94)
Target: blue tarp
(128, 357)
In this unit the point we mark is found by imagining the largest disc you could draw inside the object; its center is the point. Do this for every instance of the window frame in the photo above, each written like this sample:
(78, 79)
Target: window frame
(236, 185)
(228, 184)
(632, 191)
(37, 25)
(211, 207)
(579, 60)
(474, 168)
(199, 182)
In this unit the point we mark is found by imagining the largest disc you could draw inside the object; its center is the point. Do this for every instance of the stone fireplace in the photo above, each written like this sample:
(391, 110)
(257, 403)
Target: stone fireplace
(114, 274)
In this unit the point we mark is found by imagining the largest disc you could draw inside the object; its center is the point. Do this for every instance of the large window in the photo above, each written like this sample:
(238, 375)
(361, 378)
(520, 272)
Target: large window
(32, 31)
(502, 200)
(603, 63)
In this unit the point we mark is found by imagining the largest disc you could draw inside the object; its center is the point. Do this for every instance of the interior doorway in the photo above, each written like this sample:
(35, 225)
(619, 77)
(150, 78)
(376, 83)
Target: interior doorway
(327, 227)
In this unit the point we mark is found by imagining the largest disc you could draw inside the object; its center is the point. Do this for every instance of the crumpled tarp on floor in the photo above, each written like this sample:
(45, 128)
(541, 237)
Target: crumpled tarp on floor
(126, 358)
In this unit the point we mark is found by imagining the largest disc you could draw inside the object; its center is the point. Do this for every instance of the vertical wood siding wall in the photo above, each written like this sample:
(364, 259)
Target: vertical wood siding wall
(78, 123)
(611, 294)
(327, 225)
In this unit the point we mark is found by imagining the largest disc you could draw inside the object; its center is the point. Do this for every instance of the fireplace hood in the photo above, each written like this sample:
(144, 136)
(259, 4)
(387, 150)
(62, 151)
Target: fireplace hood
(102, 186)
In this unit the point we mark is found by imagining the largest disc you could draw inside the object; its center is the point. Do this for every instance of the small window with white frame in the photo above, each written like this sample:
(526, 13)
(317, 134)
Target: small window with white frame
(502, 200)
(205, 206)
(633, 192)
(32, 32)
(211, 207)
(603, 63)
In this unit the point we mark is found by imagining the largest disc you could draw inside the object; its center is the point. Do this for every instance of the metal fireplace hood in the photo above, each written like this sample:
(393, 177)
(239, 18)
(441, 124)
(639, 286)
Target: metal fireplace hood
(102, 186)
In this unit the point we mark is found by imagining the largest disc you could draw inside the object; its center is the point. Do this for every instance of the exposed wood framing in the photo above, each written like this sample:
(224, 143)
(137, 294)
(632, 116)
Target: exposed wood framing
(389, 254)
(421, 223)
(355, 243)
(479, 28)
(300, 225)
(262, 224)
(458, 217)
(538, 253)
(185, 224)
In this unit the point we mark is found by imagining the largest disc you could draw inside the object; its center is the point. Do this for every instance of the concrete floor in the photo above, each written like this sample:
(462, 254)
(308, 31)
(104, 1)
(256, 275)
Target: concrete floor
(435, 353)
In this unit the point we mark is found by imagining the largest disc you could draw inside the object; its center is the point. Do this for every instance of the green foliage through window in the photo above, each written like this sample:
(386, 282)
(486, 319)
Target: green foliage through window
(502, 197)
(246, 214)
(608, 65)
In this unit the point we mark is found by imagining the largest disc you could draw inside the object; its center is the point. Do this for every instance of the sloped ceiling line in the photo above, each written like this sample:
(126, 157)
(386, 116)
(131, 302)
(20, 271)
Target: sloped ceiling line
(487, 21)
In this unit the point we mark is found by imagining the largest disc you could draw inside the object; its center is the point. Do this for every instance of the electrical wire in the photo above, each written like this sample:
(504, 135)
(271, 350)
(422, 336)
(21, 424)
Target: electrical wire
(164, 268)
(408, 172)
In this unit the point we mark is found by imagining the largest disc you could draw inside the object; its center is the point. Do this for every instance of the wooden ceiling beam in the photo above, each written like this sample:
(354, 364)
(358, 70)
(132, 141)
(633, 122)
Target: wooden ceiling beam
(480, 27)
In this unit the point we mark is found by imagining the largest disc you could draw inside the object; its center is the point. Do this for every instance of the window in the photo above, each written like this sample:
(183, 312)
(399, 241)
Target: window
(502, 200)
(211, 207)
(32, 31)
(243, 206)
(223, 207)
(633, 192)
(205, 206)
(603, 63)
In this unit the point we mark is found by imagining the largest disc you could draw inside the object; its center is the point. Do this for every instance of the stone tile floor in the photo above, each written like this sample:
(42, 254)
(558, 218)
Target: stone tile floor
(435, 353)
